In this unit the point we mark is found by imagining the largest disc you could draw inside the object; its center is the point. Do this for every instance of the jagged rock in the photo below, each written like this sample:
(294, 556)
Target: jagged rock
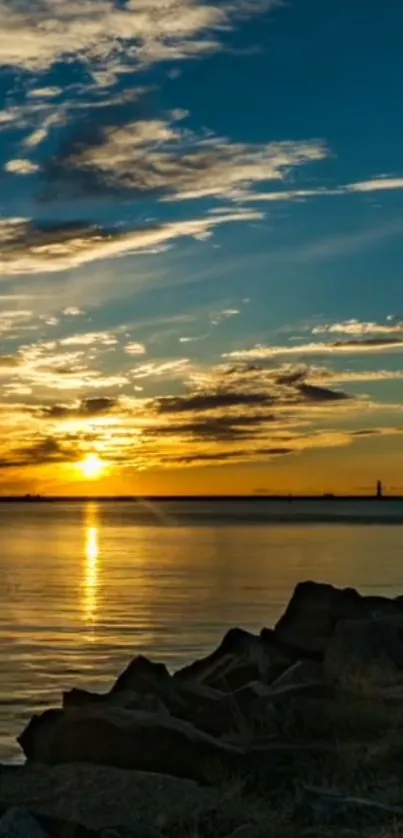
(315, 609)
(125, 699)
(216, 716)
(97, 797)
(302, 674)
(142, 676)
(365, 652)
(19, 823)
(126, 739)
(241, 657)
(208, 709)
(259, 704)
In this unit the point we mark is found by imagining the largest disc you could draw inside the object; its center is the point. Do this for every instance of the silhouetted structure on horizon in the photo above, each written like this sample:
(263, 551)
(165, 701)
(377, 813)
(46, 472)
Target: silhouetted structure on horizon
(379, 489)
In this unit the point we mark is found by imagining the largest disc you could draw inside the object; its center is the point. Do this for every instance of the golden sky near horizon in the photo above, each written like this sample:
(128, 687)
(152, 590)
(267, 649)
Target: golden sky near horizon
(200, 247)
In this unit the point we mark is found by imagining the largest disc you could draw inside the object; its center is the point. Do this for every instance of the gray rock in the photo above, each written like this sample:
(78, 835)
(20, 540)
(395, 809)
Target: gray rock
(97, 798)
(241, 657)
(126, 699)
(19, 823)
(134, 739)
(140, 686)
(143, 676)
(260, 703)
(208, 709)
(315, 609)
(365, 653)
(302, 673)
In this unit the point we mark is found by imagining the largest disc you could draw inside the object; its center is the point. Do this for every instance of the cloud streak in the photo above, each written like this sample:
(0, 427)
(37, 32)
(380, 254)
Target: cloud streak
(394, 326)
(351, 347)
(29, 248)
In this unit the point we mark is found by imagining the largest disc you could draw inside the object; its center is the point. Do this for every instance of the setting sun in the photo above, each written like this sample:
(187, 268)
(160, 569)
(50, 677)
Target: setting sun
(92, 467)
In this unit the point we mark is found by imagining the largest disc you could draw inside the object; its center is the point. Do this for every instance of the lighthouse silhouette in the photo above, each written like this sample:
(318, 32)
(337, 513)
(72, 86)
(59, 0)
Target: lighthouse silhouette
(379, 489)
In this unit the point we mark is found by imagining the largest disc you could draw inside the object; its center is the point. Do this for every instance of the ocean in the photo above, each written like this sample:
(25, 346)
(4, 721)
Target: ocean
(86, 586)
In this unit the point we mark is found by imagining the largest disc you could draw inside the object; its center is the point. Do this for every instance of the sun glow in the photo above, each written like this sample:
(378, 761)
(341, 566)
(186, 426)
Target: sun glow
(92, 467)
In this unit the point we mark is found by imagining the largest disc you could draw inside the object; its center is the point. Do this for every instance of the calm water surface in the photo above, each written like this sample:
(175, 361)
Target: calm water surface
(84, 587)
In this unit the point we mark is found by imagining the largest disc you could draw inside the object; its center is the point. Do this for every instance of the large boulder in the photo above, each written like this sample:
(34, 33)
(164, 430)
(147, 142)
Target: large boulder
(315, 609)
(134, 739)
(241, 657)
(97, 797)
(141, 678)
(365, 653)
(210, 710)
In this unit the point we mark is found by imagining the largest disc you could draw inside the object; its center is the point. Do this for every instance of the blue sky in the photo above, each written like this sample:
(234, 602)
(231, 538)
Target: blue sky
(201, 242)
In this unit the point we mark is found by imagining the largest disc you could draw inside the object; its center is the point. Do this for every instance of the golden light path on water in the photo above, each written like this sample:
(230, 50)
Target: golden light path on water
(91, 566)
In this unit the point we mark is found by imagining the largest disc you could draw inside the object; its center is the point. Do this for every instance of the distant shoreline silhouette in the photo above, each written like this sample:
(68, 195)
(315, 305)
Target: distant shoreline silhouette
(251, 498)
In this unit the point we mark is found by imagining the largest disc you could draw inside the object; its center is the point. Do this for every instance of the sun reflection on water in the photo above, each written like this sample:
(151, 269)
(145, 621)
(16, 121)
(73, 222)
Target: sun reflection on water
(91, 565)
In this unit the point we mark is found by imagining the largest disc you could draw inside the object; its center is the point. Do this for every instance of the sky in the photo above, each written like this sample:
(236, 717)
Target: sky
(201, 242)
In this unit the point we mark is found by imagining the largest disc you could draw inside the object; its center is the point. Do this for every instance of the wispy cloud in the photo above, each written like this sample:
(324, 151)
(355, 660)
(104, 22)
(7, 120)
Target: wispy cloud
(27, 247)
(393, 326)
(352, 346)
(377, 184)
(135, 348)
(21, 167)
(158, 157)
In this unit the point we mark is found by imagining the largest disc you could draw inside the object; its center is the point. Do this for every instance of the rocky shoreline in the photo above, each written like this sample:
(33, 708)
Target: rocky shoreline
(297, 731)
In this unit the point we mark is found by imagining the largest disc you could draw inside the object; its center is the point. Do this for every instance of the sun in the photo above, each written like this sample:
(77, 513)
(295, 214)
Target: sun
(92, 467)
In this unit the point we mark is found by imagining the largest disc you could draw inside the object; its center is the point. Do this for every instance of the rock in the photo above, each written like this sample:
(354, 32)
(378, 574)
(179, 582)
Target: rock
(143, 685)
(273, 766)
(241, 657)
(142, 676)
(260, 706)
(18, 823)
(126, 699)
(217, 716)
(328, 806)
(315, 609)
(134, 739)
(97, 797)
(210, 710)
(303, 673)
(365, 653)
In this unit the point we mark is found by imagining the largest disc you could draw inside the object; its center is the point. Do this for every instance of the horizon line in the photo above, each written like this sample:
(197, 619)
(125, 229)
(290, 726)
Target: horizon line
(258, 496)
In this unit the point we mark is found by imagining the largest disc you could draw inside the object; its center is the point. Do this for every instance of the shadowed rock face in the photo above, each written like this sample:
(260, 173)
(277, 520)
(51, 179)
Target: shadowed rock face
(125, 739)
(365, 652)
(315, 610)
(142, 676)
(96, 797)
(241, 657)
(210, 710)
